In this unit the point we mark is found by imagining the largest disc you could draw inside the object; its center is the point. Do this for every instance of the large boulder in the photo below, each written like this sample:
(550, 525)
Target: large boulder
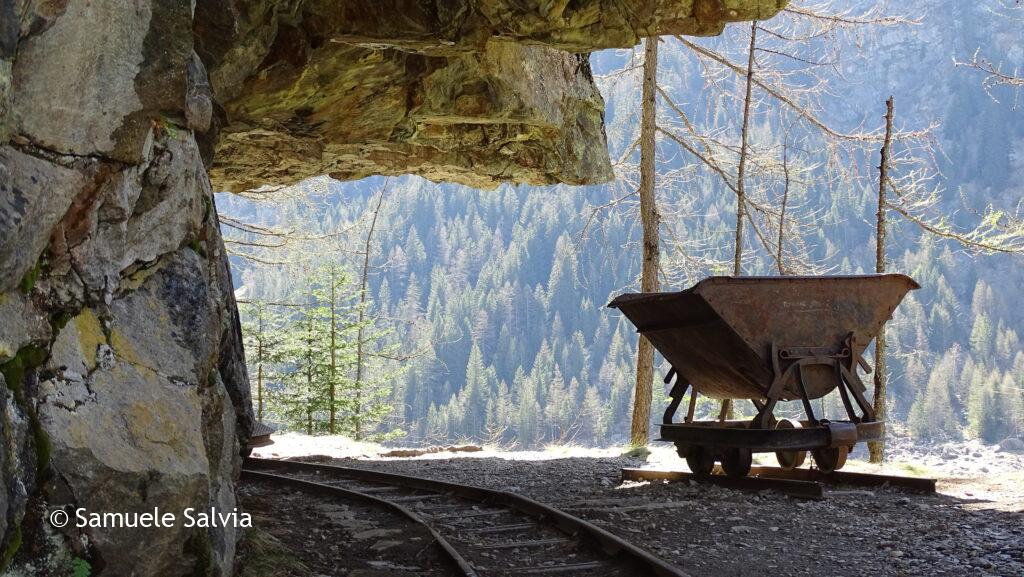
(106, 69)
(167, 421)
(120, 349)
(124, 379)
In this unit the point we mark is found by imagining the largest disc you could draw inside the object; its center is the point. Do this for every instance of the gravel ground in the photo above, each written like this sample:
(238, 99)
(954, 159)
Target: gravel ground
(973, 526)
(333, 537)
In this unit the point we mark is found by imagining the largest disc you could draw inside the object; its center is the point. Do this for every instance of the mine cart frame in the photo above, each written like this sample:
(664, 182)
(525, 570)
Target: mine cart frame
(768, 339)
(732, 442)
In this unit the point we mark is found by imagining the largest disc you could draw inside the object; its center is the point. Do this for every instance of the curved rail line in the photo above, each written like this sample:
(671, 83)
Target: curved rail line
(799, 483)
(484, 532)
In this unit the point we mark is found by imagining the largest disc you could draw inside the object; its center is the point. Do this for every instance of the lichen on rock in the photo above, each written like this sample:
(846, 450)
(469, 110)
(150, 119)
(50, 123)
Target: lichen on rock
(476, 118)
(442, 27)
(156, 444)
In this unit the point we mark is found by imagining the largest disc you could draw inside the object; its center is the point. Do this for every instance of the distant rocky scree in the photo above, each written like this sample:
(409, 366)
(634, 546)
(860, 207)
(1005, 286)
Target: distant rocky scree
(123, 380)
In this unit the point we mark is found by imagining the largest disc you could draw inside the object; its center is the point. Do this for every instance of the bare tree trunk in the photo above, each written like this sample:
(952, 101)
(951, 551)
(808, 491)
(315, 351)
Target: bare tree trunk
(360, 364)
(309, 377)
(259, 384)
(741, 196)
(876, 449)
(334, 351)
(639, 430)
(741, 173)
(782, 211)
(260, 338)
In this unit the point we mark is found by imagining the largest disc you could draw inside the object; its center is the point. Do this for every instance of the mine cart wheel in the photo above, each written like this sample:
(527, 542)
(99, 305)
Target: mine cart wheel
(736, 462)
(789, 460)
(831, 459)
(700, 460)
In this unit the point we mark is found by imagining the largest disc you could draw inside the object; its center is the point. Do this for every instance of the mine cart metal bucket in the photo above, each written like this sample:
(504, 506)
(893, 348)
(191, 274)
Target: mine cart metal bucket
(768, 339)
(720, 333)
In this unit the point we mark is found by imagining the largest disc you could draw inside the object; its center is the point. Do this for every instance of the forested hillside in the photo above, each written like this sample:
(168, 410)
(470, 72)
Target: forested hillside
(484, 314)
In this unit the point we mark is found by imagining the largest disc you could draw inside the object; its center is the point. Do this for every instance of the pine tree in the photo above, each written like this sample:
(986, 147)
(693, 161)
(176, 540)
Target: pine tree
(262, 335)
(331, 306)
(932, 417)
(474, 396)
(983, 411)
(1013, 395)
(528, 411)
(595, 417)
(300, 402)
(1007, 344)
(982, 338)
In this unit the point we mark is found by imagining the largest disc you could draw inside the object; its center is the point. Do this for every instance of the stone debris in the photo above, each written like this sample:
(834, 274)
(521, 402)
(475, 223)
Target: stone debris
(406, 453)
(1012, 445)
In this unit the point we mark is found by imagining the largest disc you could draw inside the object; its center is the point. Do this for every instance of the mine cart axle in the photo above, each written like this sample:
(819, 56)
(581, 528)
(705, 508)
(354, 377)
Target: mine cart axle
(735, 434)
(732, 443)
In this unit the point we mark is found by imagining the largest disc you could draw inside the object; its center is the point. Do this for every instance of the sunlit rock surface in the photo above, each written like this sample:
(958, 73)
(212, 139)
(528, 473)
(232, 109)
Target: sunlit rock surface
(510, 113)
(477, 93)
(446, 27)
(122, 378)
(124, 381)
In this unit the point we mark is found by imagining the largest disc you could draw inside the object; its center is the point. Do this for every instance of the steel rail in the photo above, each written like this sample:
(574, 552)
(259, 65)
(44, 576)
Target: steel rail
(331, 491)
(793, 488)
(613, 546)
(919, 484)
(794, 482)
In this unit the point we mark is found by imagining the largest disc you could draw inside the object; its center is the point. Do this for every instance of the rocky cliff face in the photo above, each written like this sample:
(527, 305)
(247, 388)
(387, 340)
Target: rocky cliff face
(122, 379)
(125, 386)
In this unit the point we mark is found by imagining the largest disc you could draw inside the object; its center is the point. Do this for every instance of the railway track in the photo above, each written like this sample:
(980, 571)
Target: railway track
(916, 484)
(799, 483)
(794, 488)
(483, 532)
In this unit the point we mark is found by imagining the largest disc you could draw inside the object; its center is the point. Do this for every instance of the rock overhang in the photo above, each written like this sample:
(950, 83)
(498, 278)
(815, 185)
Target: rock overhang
(474, 93)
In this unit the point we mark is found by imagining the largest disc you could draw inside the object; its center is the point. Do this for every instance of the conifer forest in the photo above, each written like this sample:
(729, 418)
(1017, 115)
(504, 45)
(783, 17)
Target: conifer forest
(398, 309)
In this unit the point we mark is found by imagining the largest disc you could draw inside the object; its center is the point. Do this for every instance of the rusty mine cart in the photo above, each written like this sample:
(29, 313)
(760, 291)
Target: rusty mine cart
(768, 339)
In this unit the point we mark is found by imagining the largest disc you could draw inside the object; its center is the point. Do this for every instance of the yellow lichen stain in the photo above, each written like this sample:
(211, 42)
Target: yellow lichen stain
(134, 280)
(5, 354)
(147, 423)
(158, 432)
(124, 350)
(90, 336)
(140, 421)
